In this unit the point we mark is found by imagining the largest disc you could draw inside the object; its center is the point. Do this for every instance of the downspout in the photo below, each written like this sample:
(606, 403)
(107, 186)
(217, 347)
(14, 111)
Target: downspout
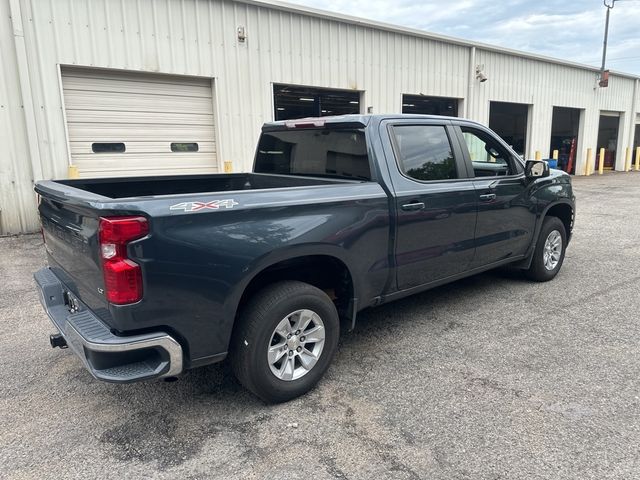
(470, 81)
(25, 87)
(634, 109)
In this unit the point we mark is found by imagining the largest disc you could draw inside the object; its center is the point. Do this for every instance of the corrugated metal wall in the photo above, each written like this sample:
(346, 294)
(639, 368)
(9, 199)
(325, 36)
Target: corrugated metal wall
(17, 199)
(545, 85)
(198, 37)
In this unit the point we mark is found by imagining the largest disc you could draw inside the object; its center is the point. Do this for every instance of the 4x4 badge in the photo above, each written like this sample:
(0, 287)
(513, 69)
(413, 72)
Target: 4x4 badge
(198, 206)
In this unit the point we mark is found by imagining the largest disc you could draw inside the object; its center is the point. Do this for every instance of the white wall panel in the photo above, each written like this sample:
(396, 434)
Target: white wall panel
(544, 85)
(17, 199)
(284, 45)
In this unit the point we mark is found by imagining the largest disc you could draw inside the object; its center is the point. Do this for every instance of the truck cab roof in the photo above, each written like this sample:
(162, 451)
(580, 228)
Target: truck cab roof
(355, 120)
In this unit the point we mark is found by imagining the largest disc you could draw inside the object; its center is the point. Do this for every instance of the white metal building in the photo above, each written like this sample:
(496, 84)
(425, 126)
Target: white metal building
(147, 87)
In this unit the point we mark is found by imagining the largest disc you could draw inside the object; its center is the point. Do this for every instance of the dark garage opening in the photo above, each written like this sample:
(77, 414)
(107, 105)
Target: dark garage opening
(608, 139)
(299, 102)
(423, 105)
(636, 144)
(509, 120)
(564, 137)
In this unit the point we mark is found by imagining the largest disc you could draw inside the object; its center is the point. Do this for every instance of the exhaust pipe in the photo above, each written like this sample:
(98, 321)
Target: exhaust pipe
(57, 340)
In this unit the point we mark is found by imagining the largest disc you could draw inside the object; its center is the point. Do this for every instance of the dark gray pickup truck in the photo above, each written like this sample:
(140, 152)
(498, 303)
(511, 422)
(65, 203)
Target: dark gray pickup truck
(148, 277)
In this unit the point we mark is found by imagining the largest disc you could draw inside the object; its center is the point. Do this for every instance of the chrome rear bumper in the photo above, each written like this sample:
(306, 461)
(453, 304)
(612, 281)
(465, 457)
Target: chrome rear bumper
(108, 357)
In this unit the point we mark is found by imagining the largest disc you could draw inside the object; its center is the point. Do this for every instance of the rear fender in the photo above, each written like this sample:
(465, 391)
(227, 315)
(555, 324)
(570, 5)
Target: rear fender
(291, 253)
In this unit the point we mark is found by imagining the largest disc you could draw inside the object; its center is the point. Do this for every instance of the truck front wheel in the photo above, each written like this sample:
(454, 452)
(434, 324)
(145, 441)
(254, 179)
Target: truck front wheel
(285, 340)
(549, 253)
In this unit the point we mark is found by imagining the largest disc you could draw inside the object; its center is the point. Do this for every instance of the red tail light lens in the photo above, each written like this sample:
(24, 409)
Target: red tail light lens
(122, 276)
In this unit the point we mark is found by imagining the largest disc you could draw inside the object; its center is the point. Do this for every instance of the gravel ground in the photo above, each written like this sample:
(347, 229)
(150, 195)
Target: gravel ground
(490, 377)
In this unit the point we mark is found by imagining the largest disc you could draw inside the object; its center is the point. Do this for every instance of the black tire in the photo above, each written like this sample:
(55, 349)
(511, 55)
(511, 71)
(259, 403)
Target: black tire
(256, 325)
(537, 271)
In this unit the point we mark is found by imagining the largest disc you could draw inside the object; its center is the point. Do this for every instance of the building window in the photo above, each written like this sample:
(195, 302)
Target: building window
(423, 105)
(291, 102)
(184, 147)
(113, 147)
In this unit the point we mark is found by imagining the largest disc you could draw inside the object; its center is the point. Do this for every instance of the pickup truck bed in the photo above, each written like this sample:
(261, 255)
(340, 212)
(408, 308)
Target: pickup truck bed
(151, 276)
(179, 185)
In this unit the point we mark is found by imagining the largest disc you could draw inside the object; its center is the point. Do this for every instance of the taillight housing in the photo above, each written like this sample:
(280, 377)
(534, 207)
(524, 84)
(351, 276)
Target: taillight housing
(122, 276)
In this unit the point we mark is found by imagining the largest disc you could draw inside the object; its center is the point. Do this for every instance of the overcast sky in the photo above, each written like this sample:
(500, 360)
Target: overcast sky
(566, 29)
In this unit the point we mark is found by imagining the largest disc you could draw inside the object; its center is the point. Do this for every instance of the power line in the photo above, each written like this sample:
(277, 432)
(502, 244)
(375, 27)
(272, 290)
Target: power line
(616, 58)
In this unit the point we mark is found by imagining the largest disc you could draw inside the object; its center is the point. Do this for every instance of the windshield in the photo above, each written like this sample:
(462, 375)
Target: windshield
(316, 152)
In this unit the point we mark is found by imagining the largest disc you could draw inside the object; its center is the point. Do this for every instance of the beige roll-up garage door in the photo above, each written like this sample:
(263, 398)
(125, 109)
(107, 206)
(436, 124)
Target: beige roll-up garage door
(129, 124)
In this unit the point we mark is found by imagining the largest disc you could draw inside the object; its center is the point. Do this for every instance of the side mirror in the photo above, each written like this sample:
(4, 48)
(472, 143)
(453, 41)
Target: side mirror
(536, 169)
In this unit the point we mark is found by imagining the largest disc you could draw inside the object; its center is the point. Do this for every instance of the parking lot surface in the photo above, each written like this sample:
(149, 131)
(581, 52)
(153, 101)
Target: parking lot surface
(490, 377)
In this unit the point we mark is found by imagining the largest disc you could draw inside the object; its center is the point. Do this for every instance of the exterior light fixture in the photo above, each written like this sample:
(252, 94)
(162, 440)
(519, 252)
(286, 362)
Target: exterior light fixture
(242, 35)
(480, 75)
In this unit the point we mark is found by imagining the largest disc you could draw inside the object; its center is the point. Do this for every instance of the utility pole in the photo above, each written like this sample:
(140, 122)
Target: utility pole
(604, 74)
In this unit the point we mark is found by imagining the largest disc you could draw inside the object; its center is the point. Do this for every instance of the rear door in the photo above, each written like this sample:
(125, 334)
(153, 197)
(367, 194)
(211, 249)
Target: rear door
(435, 201)
(505, 220)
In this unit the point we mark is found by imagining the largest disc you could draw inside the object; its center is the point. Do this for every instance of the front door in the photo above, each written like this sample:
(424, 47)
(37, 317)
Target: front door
(506, 222)
(435, 203)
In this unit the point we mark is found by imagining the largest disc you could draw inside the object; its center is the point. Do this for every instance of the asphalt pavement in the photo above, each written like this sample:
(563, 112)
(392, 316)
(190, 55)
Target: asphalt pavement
(491, 377)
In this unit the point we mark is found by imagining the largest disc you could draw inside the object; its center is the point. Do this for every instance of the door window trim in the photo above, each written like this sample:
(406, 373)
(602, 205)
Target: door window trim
(461, 168)
(457, 127)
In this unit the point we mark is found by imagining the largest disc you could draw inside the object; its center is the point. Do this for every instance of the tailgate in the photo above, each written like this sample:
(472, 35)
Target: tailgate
(72, 248)
(71, 239)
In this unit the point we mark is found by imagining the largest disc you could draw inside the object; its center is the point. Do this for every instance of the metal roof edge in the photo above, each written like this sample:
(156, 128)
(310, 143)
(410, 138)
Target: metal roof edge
(316, 12)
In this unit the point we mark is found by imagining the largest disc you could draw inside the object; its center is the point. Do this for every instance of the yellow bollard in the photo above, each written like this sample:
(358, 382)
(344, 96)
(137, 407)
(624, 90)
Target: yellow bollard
(637, 159)
(538, 155)
(627, 160)
(228, 166)
(73, 172)
(555, 154)
(587, 167)
(601, 162)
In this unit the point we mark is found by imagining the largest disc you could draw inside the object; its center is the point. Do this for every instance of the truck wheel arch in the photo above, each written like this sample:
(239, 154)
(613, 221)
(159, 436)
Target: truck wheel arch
(562, 209)
(326, 271)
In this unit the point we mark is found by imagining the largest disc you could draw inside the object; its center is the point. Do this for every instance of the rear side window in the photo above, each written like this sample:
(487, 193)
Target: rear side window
(424, 152)
(315, 152)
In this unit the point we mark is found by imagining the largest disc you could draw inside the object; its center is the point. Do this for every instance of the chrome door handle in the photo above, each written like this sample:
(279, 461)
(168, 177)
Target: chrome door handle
(488, 197)
(413, 206)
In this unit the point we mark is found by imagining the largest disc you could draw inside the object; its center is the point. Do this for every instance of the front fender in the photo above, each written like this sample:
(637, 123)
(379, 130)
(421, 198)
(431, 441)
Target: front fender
(546, 194)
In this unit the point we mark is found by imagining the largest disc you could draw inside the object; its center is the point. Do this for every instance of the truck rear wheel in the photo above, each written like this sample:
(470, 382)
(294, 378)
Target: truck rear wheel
(285, 340)
(549, 253)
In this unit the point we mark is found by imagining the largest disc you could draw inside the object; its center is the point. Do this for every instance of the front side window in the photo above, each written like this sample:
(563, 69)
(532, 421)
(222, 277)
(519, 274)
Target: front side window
(488, 157)
(424, 152)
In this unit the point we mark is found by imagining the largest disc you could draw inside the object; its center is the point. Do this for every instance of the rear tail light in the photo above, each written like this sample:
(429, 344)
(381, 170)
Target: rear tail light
(122, 276)
(39, 199)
